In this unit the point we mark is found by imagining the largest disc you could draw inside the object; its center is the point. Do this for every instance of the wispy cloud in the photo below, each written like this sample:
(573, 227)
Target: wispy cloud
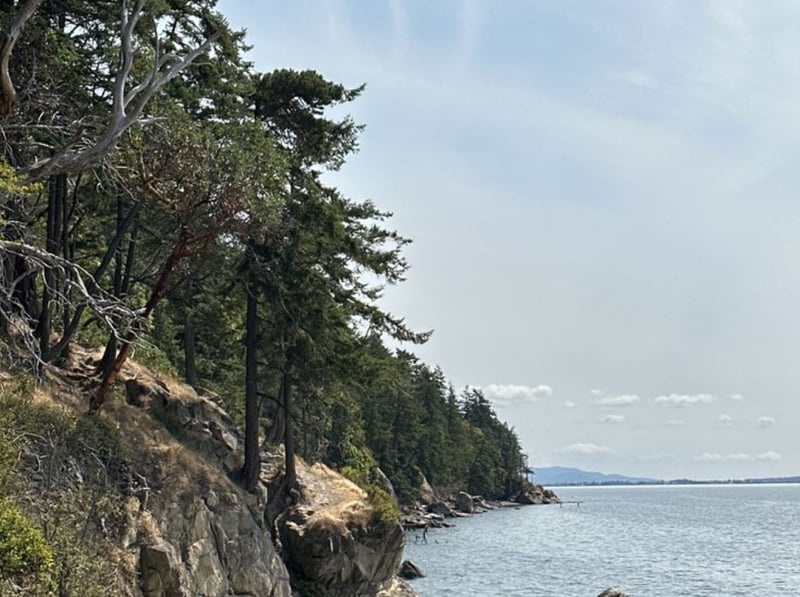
(585, 449)
(569, 404)
(725, 420)
(623, 400)
(736, 397)
(765, 422)
(613, 419)
(684, 399)
(739, 457)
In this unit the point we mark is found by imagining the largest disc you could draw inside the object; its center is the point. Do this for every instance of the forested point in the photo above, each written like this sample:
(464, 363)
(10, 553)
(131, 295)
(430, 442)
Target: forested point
(164, 200)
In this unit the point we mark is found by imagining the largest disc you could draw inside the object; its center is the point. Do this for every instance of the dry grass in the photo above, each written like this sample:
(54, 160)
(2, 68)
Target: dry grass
(336, 502)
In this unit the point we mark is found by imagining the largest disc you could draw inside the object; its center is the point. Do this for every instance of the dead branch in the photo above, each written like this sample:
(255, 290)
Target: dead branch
(128, 103)
(12, 35)
(72, 286)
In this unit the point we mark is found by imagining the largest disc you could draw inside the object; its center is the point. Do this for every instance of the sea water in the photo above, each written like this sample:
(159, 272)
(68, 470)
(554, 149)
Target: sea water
(700, 540)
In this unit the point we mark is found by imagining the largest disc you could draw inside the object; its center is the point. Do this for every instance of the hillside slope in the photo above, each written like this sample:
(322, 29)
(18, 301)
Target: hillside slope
(141, 499)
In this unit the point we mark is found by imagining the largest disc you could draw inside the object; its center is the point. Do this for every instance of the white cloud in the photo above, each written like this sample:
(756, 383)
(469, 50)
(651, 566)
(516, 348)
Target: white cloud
(765, 422)
(684, 399)
(513, 392)
(736, 397)
(769, 456)
(675, 422)
(624, 400)
(585, 449)
(569, 404)
(725, 420)
(613, 419)
(597, 393)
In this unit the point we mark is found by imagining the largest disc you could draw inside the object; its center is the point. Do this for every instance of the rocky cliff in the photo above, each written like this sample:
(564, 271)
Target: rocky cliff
(181, 526)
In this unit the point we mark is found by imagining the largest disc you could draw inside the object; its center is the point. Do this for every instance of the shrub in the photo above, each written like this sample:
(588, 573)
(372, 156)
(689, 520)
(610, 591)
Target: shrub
(384, 508)
(25, 556)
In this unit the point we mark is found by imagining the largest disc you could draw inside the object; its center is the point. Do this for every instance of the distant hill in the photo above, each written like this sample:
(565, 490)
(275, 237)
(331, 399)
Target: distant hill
(564, 475)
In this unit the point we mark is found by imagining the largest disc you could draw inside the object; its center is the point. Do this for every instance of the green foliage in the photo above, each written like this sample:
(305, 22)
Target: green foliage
(384, 508)
(25, 557)
(79, 521)
(11, 184)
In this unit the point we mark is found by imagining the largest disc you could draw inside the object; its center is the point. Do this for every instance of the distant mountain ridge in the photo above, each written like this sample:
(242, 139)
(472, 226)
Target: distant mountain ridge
(565, 475)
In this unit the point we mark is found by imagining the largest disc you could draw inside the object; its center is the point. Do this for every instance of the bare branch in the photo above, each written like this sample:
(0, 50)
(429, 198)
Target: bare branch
(72, 286)
(12, 35)
(127, 104)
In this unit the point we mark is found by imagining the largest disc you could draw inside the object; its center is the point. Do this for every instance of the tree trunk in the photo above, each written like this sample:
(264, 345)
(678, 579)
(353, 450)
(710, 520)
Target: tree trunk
(252, 461)
(288, 441)
(110, 353)
(55, 199)
(179, 251)
(70, 330)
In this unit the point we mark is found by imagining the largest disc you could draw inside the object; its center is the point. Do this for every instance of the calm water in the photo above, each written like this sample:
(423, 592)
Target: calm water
(695, 541)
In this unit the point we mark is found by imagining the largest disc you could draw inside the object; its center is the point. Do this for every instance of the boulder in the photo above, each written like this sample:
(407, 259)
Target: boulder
(465, 503)
(409, 570)
(550, 497)
(612, 592)
(441, 508)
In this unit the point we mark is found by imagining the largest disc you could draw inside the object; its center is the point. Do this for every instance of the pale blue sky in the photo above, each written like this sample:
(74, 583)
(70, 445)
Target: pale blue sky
(603, 197)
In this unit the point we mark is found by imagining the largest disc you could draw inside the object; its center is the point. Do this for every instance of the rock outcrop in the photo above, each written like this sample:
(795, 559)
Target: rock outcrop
(335, 540)
(212, 551)
(535, 495)
(201, 534)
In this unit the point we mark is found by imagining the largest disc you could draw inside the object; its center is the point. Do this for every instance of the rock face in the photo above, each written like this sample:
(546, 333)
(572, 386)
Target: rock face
(205, 551)
(201, 534)
(333, 539)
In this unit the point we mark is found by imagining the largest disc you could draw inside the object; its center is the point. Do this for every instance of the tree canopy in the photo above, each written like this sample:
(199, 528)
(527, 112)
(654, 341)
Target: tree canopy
(158, 191)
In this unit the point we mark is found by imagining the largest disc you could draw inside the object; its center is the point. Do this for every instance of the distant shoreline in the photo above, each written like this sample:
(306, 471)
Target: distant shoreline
(676, 482)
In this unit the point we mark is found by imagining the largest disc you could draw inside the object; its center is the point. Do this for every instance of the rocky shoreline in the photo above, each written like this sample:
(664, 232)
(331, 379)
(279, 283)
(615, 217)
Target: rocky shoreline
(433, 512)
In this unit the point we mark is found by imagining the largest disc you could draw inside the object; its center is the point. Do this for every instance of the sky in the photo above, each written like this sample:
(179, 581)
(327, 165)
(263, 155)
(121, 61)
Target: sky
(603, 199)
